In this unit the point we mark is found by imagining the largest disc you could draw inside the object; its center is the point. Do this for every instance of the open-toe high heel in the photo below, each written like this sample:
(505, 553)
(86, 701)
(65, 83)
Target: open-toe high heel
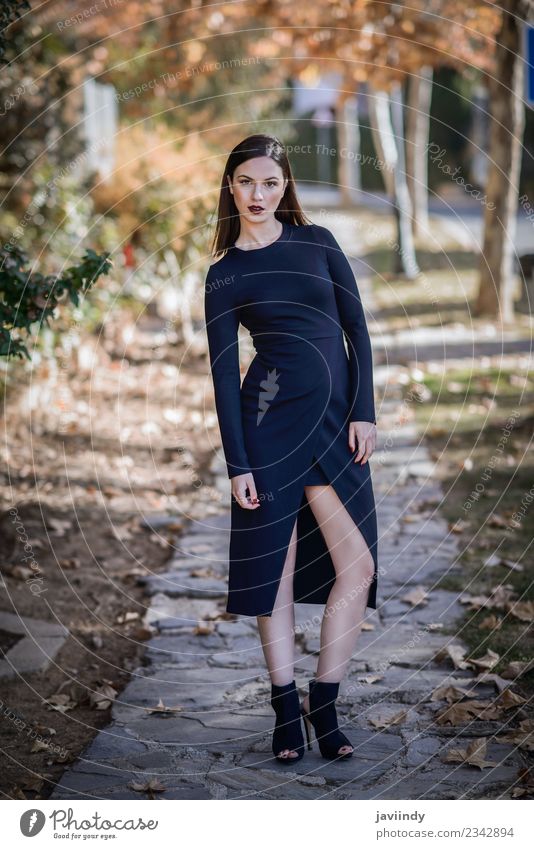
(288, 729)
(322, 717)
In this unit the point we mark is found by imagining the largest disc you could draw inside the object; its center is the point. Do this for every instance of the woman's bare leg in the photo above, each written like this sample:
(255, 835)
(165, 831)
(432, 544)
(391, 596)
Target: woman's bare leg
(347, 602)
(277, 632)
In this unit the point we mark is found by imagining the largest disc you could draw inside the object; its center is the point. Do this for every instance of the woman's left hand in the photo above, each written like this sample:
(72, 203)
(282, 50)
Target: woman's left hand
(364, 434)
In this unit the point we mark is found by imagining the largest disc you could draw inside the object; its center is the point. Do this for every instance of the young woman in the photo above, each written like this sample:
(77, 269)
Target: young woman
(297, 434)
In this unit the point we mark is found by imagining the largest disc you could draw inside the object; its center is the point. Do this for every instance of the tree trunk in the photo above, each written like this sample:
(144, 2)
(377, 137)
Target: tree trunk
(385, 113)
(349, 152)
(417, 131)
(495, 293)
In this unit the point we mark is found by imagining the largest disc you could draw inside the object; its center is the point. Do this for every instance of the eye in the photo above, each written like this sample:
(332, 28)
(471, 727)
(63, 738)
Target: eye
(271, 183)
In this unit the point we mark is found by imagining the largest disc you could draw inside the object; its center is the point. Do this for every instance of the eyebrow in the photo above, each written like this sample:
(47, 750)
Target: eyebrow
(250, 178)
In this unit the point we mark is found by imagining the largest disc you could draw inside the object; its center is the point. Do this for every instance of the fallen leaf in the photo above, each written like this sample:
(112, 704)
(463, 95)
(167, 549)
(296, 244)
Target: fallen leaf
(144, 632)
(523, 610)
(455, 653)
(130, 616)
(522, 736)
(475, 602)
(460, 713)
(59, 526)
(161, 708)
(70, 563)
(150, 787)
(40, 746)
(102, 698)
(451, 693)
(488, 661)
(367, 626)
(491, 622)
(416, 596)
(458, 526)
(512, 565)
(517, 668)
(434, 626)
(202, 573)
(61, 702)
(496, 521)
(492, 678)
(385, 721)
(203, 629)
(509, 699)
(370, 679)
(473, 755)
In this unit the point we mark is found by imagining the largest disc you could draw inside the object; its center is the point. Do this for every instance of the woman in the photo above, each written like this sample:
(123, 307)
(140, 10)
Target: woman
(303, 521)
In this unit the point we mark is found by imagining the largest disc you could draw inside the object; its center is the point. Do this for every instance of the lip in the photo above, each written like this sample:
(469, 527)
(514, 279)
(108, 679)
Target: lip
(256, 208)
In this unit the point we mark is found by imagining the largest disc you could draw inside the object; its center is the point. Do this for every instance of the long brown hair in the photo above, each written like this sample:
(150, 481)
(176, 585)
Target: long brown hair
(289, 209)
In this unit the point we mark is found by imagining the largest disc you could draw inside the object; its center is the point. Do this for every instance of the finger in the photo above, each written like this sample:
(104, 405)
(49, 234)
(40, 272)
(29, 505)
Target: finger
(252, 491)
(361, 450)
(352, 442)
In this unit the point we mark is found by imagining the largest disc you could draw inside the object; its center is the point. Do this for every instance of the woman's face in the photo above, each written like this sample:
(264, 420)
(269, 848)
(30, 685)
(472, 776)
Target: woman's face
(257, 186)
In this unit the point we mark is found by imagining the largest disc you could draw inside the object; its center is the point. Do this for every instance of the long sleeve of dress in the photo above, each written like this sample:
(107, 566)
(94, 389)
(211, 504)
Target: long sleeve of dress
(222, 323)
(354, 326)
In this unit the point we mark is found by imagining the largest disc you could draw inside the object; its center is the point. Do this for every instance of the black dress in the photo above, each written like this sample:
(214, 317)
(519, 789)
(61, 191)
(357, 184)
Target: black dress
(288, 421)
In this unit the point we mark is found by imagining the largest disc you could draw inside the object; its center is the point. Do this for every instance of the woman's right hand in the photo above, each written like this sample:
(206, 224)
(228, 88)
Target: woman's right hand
(240, 483)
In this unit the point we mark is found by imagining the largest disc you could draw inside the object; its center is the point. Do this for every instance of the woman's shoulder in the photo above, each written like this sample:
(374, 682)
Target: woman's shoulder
(314, 232)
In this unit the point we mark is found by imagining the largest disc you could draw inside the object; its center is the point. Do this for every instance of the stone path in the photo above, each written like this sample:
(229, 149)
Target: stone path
(218, 745)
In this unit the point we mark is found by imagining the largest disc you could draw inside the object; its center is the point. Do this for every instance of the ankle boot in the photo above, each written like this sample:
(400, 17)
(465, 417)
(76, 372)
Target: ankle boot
(288, 729)
(323, 717)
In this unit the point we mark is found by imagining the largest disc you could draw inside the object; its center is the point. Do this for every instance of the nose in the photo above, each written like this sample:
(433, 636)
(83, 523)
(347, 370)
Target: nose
(256, 194)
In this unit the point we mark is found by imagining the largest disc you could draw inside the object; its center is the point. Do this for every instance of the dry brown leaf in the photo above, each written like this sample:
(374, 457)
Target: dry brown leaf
(203, 629)
(523, 610)
(150, 787)
(368, 626)
(496, 521)
(161, 708)
(517, 668)
(455, 653)
(202, 573)
(491, 622)
(70, 563)
(526, 788)
(370, 679)
(488, 661)
(40, 746)
(508, 699)
(451, 693)
(416, 596)
(130, 616)
(386, 721)
(473, 755)
(61, 702)
(512, 565)
(463, 712)
(143, 632)
(458, 526)
(501, 596)
(59, 526)
(492, 678)
(103, 697)
(475, 602)
(522, 736)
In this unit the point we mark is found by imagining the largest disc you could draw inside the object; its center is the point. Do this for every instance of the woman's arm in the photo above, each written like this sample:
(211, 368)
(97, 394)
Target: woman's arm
(354, 326)
(222, 324)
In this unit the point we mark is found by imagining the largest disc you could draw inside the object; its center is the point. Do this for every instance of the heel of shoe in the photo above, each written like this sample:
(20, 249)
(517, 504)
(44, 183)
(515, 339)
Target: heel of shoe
(307, 727)
(330, 738)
